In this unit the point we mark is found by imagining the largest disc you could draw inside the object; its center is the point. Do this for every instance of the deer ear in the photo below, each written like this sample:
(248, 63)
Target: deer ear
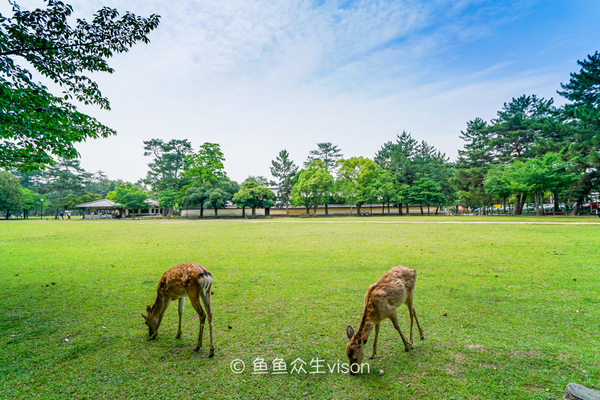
(149, 309)
(349, 332)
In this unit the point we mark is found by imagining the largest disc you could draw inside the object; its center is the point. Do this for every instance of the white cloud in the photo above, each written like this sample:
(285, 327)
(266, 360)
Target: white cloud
(260, 76)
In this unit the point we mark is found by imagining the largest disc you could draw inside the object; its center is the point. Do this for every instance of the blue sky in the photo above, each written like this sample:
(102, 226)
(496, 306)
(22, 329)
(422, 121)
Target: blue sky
(261, 76)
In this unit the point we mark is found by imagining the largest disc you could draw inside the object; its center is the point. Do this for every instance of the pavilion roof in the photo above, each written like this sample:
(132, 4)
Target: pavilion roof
(104, 203)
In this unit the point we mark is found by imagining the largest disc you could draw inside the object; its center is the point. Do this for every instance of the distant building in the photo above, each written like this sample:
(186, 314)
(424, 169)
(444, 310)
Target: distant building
(108, 209)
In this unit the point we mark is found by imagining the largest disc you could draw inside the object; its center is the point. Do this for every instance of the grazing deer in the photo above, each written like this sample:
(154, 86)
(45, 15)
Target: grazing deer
(183, 280)
(394, 288)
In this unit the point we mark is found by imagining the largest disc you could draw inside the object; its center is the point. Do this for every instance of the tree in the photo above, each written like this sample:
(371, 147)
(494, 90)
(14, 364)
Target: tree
(195, 195)
(35, 125)
(10, 193)
(355, 176)
(70, 201)
(168, 199)
(398, 158)
(584, 86)
(382, 188)
(326, 153)
(64, 179)
(285, 171)
(130, 197)
(426, 191)
(206, 165)
(253, 196)
(30, 200)
(583, 121)
(168, 160)
(540, 174)
(219, 193)
(473, 164)
(314, 187)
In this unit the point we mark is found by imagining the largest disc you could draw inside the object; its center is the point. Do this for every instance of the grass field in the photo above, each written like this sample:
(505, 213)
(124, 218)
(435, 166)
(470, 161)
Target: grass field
(510, 310)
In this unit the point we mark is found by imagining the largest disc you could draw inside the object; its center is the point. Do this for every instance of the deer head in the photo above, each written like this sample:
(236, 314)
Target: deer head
(355, 350)
(150, 321)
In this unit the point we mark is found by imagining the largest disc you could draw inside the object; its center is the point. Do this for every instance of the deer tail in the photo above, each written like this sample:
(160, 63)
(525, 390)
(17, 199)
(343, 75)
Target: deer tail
(207, 283)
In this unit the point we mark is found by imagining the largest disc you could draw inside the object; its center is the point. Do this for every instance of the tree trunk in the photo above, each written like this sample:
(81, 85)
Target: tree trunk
(523, 202)
(556, 205)
(421, 207)
(307, 209)
(389, 213)
(407, 210)
(536, 197)
(383, 209)
(243, 211)
(253, 212)
(216, 214)
(326, 209)
(436, 210)
(576, 208)
(517, 204)
(287, 208)
(428, 213)
(351, 207)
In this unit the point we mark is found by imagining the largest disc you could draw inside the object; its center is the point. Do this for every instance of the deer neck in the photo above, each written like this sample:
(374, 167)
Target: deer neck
(158, 308)
(366, 326)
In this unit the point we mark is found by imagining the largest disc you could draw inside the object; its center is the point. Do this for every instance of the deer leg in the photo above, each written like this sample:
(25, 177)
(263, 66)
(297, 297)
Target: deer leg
(202, 315)
(180, 310)
(413, 313)
(418, 325)
(374, 351)
(410, 313)
(394, 319)
(206, 301)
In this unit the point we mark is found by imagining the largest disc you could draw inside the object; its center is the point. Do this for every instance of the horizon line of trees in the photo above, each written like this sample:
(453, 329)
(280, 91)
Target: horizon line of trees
(531, 151)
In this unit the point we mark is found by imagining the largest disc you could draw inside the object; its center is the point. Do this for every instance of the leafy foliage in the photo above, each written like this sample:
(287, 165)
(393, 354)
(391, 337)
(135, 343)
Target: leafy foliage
(130, 197)
(36, 125)
(10, 193)
(355, 175)
(254, 196)
(207, 164)
(168, 161)
(313, 188)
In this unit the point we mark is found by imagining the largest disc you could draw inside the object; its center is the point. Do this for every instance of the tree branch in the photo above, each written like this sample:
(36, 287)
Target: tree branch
(20, 52)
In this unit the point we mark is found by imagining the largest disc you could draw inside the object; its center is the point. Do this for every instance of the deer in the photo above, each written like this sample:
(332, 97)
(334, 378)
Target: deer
(184, 280)
(394, 288)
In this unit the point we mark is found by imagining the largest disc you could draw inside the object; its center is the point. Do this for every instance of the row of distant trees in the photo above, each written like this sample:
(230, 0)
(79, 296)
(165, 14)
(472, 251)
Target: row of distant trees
(530, 152)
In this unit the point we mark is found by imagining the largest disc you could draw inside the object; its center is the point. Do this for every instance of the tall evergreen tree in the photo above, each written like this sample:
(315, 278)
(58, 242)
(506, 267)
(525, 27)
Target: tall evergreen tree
(583, 120)
(167, 163)
(327, 153)
(284, 170)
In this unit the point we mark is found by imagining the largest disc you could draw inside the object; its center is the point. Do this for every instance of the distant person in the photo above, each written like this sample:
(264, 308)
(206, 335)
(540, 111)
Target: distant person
(62, 215)
(598, 212)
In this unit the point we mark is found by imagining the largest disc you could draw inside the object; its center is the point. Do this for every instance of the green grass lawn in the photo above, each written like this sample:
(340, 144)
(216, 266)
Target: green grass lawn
(509, 310)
